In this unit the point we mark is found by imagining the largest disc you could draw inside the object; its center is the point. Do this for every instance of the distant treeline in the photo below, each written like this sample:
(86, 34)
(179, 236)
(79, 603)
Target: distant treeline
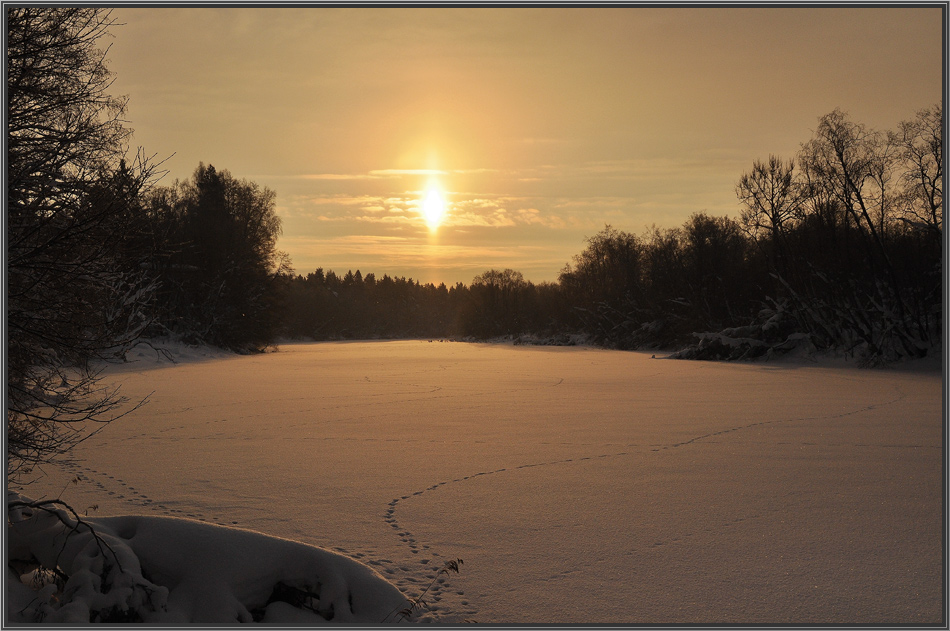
(837, 249)
(326, 306)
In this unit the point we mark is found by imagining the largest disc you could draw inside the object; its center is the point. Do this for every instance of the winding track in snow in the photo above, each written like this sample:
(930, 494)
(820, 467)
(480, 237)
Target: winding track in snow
(409, 540)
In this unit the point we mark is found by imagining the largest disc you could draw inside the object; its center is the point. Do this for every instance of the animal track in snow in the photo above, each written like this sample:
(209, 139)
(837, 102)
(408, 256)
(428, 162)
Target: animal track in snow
(406, 537)
(107, 484)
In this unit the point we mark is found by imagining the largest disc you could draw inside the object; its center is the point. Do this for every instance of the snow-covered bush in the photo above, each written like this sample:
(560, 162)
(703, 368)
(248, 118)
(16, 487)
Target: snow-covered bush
(63, 568)
(775, 332)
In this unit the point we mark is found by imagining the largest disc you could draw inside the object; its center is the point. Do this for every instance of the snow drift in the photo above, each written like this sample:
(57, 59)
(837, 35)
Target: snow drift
(73, 569)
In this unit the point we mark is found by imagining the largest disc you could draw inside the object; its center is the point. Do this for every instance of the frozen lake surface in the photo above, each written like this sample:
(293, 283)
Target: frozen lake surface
(577, 485)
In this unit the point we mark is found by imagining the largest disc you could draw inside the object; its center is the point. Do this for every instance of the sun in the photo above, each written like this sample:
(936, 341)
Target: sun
(433, 208)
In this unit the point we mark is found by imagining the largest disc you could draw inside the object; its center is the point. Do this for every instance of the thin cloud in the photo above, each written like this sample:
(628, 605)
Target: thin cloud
(633, 169)
(322, 176)
(340, 176)
(475, 171)
(398, 172)
(373, 239)
(463, 210)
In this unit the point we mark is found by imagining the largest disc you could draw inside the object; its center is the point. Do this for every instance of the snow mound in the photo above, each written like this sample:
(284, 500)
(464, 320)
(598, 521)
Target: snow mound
(72, 569)
(169, 350)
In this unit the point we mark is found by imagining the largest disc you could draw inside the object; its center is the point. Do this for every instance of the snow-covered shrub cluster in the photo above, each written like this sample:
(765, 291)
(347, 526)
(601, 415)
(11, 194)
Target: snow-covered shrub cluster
(555, 339)
(64, 568)
(775, 333)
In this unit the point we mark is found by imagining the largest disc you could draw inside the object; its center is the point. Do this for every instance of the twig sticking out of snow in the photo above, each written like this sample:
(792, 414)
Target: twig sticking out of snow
(420, 603)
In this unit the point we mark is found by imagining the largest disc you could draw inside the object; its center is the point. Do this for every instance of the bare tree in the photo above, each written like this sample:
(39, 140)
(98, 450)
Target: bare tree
(73, 295)
(920, 147)
(855, 182)
(855, 164)
(770, 197)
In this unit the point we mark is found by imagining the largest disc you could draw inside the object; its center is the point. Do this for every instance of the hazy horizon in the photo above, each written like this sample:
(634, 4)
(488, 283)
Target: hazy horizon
(537, 125)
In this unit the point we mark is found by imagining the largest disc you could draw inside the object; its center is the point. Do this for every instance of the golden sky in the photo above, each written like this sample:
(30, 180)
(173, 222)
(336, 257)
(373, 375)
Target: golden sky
(538, 125)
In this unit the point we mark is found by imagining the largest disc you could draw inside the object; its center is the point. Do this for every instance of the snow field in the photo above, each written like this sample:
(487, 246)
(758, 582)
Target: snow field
(578, 485)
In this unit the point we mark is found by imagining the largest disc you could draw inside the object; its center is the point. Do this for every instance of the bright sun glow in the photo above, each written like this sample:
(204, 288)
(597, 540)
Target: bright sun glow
(433, 208)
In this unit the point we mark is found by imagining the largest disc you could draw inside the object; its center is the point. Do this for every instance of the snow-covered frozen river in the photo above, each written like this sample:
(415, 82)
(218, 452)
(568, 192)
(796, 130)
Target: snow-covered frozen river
(577, 485)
